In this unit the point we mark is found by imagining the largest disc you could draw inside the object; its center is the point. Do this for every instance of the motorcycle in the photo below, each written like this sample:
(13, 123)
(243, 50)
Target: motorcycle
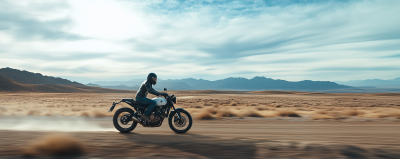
(126, 119)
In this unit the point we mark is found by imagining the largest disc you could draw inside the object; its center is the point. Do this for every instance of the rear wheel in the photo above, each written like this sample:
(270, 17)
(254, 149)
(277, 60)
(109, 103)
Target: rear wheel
(122, 121)
(180, 126)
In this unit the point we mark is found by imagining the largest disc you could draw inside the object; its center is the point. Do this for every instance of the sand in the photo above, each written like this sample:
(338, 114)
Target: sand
(234, 138)
(215, 104)
(239, 125)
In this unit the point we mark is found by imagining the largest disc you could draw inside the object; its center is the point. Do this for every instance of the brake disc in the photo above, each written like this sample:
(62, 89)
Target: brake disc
(180, 124)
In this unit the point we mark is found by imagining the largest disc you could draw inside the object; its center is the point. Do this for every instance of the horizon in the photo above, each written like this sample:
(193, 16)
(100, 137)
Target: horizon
(93, 82)
(109, 40)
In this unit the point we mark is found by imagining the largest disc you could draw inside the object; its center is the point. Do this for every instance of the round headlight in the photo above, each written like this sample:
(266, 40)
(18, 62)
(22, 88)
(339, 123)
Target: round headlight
(174, 100)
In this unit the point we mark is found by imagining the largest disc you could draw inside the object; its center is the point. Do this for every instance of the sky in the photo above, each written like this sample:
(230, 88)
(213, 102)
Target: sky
(118, 40)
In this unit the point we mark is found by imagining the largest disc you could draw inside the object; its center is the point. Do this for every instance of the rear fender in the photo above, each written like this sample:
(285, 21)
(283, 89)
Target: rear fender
(115, 103)
(112, 107)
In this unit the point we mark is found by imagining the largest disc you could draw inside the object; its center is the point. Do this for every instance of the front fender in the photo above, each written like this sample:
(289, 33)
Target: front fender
(176, 111)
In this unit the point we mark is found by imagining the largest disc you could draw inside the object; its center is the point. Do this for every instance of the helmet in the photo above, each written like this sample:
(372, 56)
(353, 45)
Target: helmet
(150, 78)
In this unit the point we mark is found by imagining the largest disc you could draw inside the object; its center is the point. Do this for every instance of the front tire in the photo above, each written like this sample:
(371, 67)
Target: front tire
(176, 125)
(122, 122)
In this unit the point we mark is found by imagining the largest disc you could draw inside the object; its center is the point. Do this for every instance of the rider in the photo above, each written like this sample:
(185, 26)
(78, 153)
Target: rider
(141, 95)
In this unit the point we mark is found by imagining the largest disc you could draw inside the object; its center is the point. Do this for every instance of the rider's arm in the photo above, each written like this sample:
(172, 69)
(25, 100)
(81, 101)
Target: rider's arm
(151, 90)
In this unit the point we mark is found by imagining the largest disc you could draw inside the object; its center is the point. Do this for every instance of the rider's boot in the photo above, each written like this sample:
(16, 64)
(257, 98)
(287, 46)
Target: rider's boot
(144, 117)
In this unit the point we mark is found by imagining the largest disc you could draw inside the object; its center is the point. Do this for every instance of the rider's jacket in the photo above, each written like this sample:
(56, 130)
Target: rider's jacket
(145, 88)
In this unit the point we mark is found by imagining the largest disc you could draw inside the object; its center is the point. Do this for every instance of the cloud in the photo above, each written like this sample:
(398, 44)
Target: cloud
(31, 20)
(292, 40)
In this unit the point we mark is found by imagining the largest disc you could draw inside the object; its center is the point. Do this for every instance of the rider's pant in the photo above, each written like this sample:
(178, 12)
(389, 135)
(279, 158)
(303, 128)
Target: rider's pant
(152, 104)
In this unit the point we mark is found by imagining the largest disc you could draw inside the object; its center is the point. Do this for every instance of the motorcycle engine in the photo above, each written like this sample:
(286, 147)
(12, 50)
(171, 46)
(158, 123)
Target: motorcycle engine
(156, 116)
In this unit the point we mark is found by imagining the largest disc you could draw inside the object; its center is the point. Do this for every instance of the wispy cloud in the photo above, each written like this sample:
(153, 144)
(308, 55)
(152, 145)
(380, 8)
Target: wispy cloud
(292, 40)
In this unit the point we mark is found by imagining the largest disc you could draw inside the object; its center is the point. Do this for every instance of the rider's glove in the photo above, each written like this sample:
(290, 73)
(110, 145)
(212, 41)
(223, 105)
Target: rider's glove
(163, 94)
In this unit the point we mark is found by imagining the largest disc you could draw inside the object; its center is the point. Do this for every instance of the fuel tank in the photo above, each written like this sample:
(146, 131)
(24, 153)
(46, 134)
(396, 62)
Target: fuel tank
(160, 101)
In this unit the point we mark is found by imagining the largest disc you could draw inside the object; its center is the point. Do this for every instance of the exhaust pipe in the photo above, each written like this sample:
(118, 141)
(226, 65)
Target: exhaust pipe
(136, 119)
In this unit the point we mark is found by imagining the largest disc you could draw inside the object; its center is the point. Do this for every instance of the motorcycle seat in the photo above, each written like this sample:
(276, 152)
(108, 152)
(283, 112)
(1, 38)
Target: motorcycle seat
(130, 100)
(133, 102)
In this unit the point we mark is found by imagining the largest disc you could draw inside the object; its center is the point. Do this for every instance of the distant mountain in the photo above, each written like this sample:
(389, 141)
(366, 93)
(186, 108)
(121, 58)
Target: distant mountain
(160, 86)
(260, 83)
(46, 84)
(32, 78)
(132, 82)
(394, 83)
(9, 85)
(257, 83)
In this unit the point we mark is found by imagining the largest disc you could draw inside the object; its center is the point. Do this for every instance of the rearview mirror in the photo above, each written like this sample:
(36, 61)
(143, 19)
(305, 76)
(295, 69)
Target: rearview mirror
(165, 89)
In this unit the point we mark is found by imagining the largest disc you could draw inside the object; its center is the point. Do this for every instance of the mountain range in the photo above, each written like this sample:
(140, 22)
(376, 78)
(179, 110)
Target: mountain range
(13, 80)
(22, 76)
(240, 84)
(254, 84)
(393, 83)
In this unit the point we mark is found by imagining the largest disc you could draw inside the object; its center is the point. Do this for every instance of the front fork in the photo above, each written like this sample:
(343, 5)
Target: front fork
(178, 114)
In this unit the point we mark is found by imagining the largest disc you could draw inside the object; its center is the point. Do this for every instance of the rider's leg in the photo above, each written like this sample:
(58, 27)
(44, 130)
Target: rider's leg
(152, 104)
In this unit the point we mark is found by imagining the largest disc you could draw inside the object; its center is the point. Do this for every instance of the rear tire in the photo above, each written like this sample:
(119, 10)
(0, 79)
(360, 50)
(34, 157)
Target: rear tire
(186, 116)
(116, 118)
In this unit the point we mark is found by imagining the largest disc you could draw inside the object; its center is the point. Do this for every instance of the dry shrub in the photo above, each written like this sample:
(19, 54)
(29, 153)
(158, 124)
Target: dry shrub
(254, 104)
(262, 108)
(205, 115)
(378, 111)
(321, 112)
(394, 114)
(252, 113)
(208, 104)
(225, 102)
(85, 114)
(233, 104)
(76, 110)
(54, 145)
(326, 115)
(353, 113)
(287, 113)
(33, 112)
(322, 116)
(212, 110)
(197, 106)
(225, 113)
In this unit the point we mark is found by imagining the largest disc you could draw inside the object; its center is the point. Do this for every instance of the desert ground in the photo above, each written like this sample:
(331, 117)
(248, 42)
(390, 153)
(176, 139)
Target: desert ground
(227, 124)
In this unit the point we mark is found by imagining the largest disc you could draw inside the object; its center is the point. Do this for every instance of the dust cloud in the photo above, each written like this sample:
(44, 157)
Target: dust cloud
(53, 123)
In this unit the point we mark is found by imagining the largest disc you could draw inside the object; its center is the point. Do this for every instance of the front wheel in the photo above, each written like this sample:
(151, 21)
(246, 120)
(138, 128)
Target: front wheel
(180, 126)
(122, 120)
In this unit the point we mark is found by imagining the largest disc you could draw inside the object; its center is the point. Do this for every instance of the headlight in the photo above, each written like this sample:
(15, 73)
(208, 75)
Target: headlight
(174, 100)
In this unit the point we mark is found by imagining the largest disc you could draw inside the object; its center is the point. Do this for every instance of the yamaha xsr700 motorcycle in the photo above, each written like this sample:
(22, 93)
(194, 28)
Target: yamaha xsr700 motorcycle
(125, 119)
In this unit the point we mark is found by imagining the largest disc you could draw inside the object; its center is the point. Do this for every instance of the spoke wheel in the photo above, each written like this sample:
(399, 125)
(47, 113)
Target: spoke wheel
(180, 126)
(122, 121)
